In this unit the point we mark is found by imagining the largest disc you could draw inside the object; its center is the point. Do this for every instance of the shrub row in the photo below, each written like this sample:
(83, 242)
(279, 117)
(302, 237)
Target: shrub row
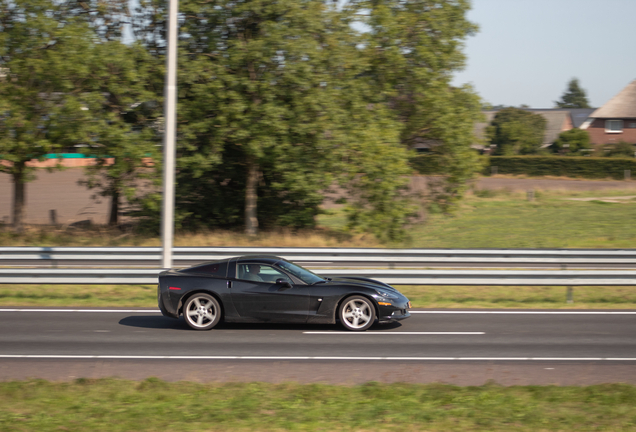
(581, 167)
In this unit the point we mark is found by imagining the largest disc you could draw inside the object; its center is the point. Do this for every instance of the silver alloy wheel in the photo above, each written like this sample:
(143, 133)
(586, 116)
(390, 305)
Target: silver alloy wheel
(201, 312)
(357, 313)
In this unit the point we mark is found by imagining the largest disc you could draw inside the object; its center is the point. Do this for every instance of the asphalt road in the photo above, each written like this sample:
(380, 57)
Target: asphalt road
(456, 347)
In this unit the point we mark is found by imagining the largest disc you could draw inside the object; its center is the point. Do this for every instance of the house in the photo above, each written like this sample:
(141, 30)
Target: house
(616, 120)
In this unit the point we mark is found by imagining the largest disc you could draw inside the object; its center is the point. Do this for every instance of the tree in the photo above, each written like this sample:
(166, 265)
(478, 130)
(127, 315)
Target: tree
(414, 47)
(515, 131)
(273, 112)
(573, 97)
(120, 123)
(572, 142)
(41, 56)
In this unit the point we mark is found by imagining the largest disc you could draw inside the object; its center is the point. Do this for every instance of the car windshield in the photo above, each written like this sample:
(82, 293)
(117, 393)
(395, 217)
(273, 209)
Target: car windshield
(301, 273)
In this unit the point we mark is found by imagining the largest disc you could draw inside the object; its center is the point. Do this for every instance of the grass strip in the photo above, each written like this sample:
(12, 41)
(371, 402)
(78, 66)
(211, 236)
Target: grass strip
(524, 297)
(152, 405)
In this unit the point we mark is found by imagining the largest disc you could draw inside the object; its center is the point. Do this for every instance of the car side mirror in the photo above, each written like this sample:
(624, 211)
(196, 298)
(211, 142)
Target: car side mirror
(283, 282)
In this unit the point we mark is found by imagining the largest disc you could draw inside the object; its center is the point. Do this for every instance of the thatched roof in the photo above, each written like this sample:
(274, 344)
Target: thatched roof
(623, 105)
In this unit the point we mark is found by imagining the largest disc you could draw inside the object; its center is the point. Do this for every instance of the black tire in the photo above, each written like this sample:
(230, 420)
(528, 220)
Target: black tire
(356, 313)
(202, 312)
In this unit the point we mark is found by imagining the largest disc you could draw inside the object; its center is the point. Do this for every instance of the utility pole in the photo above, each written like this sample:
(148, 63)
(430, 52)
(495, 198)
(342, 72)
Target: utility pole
(169, 148)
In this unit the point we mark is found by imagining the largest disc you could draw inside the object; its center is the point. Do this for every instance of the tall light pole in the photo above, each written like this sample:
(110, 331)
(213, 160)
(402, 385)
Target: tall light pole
(169, 148)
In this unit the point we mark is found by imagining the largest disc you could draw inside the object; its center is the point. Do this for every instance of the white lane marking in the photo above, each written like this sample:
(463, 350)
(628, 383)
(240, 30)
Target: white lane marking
(85, 310)
(169, 357)
(525, 312)
(391, 333)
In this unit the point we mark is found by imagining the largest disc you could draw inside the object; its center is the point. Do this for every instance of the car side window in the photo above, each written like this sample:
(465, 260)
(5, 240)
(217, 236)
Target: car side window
(260, 273)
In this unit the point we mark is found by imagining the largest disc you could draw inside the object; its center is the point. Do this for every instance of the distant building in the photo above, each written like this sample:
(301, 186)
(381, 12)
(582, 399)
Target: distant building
(616, 120)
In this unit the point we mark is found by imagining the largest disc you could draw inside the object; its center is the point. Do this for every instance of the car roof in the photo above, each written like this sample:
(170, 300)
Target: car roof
(259, 259)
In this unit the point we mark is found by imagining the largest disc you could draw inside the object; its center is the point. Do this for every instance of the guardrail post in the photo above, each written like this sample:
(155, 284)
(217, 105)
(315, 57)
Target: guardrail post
(493, 170)
(628, 174)
(530, 195)
(569, 295)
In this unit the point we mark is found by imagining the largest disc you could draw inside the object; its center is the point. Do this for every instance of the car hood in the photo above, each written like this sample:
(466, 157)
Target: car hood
(366, 282)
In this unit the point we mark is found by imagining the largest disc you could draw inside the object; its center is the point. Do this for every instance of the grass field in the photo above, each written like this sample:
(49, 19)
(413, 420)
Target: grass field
(145, 296)
(500, 219)
(154, 405)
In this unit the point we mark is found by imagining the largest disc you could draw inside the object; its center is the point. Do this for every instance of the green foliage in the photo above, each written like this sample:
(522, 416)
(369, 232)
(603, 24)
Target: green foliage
(281, 92)
(573, 97)
(278, 102)
(413, 49)
(121, 121)
(516, 132)
(42, 60)
(621, 149)
(427, 164)
(583, 167)
(260, 89)
(571, 142)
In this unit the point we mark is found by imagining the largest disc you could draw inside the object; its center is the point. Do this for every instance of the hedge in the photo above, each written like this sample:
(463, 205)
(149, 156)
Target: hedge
(562, 166)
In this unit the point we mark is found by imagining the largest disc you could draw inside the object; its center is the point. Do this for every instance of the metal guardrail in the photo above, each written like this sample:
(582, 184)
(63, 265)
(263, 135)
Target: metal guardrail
(338, 257)
(393, 277)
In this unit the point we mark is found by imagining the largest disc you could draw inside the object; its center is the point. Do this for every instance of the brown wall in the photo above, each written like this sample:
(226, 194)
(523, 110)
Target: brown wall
(599, 136)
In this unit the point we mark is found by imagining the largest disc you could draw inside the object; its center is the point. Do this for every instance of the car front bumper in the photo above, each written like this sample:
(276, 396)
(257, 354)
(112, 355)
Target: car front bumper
(396, 315)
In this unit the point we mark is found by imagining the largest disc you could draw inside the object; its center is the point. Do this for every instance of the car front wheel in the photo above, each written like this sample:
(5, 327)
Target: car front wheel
(202, 312)
(357, 313)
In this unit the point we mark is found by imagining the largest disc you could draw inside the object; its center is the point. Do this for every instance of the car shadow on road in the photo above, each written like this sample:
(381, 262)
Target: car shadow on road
(154, 322)
(161, 322)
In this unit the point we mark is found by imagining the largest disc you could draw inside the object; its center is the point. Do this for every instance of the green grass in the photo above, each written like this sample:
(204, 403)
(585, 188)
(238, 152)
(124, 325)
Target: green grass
(154, 405)
(79, 295)
(503, 219)
(551, 221)
(145, 296)
(521, 297)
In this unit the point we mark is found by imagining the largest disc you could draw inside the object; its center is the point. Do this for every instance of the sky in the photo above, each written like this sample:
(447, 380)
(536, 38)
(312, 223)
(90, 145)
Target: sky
(526, 51)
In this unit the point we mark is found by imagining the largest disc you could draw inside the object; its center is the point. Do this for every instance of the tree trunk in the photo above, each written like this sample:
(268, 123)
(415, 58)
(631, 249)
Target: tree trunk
(251, 221)
(114, 208)
(19, 192)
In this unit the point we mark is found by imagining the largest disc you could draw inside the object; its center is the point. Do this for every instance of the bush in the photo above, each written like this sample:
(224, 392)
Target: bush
(516, 131)
(620, 149)
(571, 166)
(571, 142)
(583, 167)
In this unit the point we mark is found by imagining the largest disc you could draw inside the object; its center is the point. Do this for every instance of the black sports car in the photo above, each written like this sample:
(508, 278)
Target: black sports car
(272, 289)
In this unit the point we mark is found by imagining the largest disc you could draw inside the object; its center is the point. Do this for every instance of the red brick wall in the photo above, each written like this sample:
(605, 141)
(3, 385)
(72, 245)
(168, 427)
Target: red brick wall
(599, 136)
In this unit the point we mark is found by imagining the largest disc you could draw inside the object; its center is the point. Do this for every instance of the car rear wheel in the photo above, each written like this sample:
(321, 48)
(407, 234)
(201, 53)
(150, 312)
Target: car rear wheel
(202, 312)
(357, 313)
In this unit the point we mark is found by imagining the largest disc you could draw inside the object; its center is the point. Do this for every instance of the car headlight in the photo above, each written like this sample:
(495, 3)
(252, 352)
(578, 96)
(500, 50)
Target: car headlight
(388, 295)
